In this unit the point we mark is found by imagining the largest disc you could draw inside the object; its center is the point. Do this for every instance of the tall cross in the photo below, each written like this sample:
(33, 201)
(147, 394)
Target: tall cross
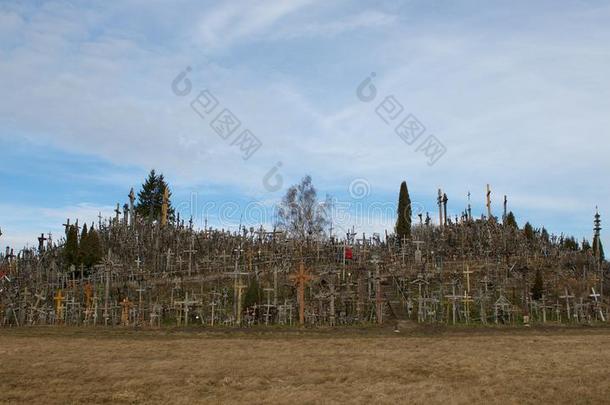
(132, 199)
(445, 199)
(301, 278)
(59, 307)
(117, 211)
(165, 206)
(567, 297)
(488, 202)
(440, 208)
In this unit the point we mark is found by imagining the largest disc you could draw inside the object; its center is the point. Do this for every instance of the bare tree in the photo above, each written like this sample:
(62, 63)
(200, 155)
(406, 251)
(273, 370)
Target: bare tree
(300, 214)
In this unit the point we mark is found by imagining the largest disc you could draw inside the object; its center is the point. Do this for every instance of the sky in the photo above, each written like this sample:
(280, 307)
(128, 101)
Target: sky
(514, 94)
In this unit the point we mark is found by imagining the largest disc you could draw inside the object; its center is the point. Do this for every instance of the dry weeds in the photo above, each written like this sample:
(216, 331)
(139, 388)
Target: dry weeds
(54, 365)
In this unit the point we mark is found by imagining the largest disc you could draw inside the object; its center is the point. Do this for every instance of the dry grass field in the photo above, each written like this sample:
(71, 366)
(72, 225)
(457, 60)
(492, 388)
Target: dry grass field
(55, 365)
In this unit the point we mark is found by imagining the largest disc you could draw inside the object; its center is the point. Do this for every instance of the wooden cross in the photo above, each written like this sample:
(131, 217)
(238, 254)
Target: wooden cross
(301, 278)
(595, 296)
(567, 297)
(240, 287)
(165, 206)
(488, 202)
(453, 297)
(126, 306)
(467, 273)
(59, 307)
(191, 251)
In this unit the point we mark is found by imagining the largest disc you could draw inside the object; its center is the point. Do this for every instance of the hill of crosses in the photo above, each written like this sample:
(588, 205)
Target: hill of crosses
(135, 270)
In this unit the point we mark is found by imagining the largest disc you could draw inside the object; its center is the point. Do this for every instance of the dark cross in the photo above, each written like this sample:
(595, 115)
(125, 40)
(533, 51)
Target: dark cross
(469, 208)
(505, 206)
(132, 199)
(440, 208)
(41, 241)
(67, 225)
(445, 199)
(126, 214)
(117, 211)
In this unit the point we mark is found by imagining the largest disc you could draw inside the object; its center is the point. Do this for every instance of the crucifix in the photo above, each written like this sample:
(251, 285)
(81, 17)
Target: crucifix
(469, 208)
(67, 225)
(132, 212)
(41, 240)
(445, 199)
(126, 214)
(301, 278)
(440, 208)
(117, 212)
(488, 202)
(165, 206)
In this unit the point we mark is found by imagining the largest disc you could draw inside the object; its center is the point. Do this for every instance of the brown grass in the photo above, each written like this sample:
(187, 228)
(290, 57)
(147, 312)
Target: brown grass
(58, 365)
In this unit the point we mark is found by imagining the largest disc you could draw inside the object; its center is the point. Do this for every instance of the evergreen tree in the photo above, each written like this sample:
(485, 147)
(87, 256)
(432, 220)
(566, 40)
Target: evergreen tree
(510, 221)
(403, 223)
(585, 245)
(150, 198)
(83, 245)
(570, 244)
(538, 287)
(71, 251)
(94, 249)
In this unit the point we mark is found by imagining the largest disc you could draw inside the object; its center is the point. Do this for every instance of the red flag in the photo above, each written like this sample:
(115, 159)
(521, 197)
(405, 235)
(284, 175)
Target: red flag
(349, 254)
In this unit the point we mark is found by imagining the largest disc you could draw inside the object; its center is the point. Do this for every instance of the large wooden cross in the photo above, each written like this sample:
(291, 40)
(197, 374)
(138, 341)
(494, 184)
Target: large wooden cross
(301, 278)
(59, 305)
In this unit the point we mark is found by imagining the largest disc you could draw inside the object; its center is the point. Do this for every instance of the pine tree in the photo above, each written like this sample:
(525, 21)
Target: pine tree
(403, 223)
(150, 198)
(83, 245)
(510, 221)
(71, 251)
(538, 287)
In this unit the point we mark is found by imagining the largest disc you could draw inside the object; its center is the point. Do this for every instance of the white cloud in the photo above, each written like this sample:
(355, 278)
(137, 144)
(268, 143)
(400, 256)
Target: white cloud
(233, 21)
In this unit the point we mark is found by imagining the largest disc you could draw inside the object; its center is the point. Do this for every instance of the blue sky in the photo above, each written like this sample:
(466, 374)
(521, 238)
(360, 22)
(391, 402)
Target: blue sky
(518, 93)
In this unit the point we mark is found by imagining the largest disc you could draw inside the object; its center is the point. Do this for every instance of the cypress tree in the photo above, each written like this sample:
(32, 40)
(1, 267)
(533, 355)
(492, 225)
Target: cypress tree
(403, 223)
(71, 251)
(83, 246)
